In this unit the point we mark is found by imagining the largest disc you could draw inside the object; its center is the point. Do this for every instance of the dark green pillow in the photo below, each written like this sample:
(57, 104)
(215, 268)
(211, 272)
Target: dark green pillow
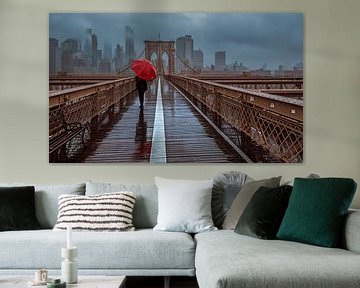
(17, 208)
(316, 211)
(263, 214)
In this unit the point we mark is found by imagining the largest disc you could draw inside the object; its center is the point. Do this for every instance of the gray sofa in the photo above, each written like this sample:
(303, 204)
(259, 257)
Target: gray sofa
(218, 259)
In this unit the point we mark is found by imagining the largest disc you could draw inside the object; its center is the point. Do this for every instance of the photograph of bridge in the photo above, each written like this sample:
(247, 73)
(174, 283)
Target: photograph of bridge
(228, 88)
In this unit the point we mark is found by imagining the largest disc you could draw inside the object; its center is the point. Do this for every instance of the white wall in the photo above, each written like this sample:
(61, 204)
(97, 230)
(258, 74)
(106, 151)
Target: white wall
(332, 91)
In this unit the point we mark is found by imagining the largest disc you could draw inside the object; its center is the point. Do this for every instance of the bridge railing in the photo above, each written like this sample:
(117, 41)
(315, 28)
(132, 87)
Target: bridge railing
(274, 122)
(61, 82)
(80, 105)
(263, 83)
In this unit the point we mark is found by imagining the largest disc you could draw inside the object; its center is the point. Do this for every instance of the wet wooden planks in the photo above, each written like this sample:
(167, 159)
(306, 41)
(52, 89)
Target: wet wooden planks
(129, 140)
(189, 138)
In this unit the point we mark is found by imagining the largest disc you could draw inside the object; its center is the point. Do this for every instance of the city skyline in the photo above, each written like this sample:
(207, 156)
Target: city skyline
(254, 44)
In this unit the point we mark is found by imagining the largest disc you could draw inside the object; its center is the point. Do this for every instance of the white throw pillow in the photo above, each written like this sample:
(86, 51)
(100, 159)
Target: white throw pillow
(184, 205)
(105, 212)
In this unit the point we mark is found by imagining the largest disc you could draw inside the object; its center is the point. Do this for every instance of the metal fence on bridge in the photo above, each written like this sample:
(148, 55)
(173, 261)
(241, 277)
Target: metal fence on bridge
(73, 109)
(274, 122)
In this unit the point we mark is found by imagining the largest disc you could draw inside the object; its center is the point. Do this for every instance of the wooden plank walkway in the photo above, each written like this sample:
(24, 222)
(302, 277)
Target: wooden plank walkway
(188, 137)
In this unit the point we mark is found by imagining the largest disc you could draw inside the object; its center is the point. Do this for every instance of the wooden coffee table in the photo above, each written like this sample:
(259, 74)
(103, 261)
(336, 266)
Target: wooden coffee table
(84, 281)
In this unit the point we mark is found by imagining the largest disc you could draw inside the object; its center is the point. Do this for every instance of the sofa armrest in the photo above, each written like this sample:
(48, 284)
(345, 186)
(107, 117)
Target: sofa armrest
(351, 234)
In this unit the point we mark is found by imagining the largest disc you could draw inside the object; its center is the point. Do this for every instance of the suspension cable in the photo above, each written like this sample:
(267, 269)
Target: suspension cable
(187, 65)
(128, 66)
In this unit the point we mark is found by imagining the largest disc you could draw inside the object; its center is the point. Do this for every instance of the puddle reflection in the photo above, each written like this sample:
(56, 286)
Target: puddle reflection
(142, 145)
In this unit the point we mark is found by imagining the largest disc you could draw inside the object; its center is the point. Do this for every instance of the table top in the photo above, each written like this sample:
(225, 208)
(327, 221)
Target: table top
(84, 281)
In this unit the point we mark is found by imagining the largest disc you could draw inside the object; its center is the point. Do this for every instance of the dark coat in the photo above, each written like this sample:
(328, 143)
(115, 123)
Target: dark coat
(141, 84)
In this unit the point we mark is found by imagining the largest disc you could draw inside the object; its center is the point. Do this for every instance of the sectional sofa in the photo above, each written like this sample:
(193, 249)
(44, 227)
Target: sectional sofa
(218, 259)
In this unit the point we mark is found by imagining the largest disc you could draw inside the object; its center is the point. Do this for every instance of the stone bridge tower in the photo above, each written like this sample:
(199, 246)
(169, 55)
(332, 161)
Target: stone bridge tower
(159, 48)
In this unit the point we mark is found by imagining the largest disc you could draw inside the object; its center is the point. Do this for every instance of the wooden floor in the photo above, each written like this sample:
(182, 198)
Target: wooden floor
(158, 282)
(188, 137)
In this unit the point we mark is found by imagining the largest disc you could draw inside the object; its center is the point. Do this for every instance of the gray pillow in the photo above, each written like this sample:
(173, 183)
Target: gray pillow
(184, 205)
(226, 187)
(310, 176)
(243, 198)
(46, 200)
(146, 204)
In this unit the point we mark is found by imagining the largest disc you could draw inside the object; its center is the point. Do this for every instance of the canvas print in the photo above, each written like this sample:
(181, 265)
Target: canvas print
(176, 88)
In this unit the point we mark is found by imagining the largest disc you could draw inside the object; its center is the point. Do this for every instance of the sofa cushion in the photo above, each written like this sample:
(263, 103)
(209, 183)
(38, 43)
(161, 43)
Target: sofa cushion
(137, 250)
(350, 239)
(17, 208)
(46, 200)
(184, 205)
(105, 212)
(146, 204)
(243, 198)
(316, 211)
(225, 259)
(263, 215)
(225, 189)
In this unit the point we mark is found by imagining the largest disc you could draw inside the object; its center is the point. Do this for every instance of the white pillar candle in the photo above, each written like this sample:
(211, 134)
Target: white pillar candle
(69, 237)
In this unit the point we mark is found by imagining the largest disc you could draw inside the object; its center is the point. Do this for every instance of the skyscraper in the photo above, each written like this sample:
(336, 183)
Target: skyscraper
(220, 60)
(184, 51)
(198, 59)
(68, 48)
(129, 45)
(87, 43)
(104, 66)
(94, 50)
(107, 51)
(119, 58)
(54, 56)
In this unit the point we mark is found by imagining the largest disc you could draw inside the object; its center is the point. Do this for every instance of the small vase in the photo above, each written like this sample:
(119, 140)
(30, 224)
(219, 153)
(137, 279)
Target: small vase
(69, 271)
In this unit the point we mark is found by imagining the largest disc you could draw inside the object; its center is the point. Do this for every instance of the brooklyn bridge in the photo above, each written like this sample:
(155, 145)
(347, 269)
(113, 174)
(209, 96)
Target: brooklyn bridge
(190, 117)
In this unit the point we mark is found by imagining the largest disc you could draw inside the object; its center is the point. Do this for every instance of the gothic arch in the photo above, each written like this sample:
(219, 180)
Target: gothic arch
(159, 48)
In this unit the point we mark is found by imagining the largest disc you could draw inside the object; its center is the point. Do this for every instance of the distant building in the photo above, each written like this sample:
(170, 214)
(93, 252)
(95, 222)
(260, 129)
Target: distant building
(299, 66)
(198, 59)
(220, 60)
(118, 58)
(82, 63)
(107, 51)
(104, 66)
(297, 71)
(129, 45)
(87, 43)
(99, 56)
(94, 50)
(68, 48)
(54, 56)
(238, 67)
(184, 51)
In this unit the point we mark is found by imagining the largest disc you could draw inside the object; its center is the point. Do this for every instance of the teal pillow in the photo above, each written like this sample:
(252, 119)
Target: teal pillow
(316, 211)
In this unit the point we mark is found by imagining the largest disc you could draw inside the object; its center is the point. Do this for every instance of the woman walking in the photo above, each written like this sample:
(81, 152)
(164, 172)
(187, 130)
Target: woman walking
(141, 86)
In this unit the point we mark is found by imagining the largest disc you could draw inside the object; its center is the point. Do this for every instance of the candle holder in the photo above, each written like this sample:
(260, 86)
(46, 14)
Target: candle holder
(69, 271)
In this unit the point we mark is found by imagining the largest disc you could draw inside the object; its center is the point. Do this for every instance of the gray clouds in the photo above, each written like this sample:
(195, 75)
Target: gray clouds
(250, 38)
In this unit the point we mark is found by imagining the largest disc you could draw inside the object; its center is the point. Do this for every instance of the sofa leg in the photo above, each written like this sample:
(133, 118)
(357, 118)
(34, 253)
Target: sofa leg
(167, 282)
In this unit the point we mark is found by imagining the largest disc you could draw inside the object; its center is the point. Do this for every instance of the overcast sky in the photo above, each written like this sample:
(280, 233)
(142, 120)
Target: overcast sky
(250, 38)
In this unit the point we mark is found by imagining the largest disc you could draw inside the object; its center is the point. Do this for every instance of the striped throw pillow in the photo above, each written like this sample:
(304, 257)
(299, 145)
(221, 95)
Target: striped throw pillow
(105, 212)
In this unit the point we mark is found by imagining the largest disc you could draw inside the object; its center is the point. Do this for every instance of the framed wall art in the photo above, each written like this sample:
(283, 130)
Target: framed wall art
(176, 87)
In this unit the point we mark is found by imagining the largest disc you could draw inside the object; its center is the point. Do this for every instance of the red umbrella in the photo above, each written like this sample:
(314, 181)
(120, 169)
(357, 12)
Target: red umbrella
(144, 69)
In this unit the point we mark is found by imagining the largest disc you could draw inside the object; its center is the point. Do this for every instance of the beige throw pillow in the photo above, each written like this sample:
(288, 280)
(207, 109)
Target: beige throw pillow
(243, 198)
(104, 212)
